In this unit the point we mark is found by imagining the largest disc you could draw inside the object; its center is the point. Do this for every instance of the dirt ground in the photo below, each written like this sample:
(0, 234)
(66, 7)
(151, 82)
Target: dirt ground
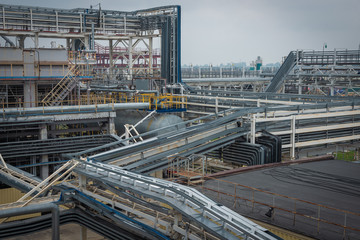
(67, 232)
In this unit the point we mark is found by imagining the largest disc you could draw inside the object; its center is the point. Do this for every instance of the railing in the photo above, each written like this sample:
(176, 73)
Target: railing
(293, 211)
(216, 219)
(78, 56)
(162, 102)
(63, 88)
(336, 57)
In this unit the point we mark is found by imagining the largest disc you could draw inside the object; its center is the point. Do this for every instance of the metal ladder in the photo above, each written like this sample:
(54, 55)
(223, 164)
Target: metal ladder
(63, 88)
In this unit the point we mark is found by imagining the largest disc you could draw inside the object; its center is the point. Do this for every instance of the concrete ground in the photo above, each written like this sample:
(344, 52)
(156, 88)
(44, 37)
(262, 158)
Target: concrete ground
(331, 184)
(67, 232)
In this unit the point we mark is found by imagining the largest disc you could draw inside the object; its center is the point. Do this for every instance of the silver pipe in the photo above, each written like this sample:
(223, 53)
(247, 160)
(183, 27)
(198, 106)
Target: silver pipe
(8, 40)
(248, 79)
(35, 209)
(122, 90)
(79, 108)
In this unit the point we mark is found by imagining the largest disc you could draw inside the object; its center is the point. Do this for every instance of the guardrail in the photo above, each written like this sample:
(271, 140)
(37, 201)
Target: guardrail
(215, 218)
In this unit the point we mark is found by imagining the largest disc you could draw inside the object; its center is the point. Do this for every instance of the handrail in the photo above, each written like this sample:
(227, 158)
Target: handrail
(194, 204)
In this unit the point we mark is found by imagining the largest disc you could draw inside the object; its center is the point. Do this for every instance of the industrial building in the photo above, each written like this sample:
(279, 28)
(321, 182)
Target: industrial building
(104, 129)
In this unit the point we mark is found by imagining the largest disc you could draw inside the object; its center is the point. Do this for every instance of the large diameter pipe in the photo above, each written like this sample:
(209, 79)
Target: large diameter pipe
(79, 108)
(153, 123)
(35, 209)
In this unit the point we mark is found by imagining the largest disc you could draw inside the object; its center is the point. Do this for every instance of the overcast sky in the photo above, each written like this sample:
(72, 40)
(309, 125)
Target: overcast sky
(224, 31)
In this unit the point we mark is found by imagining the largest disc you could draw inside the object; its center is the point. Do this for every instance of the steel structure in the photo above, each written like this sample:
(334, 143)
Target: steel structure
(319, 72)
(332, 73)
(206, 219)
(81, 27)
(333, 119)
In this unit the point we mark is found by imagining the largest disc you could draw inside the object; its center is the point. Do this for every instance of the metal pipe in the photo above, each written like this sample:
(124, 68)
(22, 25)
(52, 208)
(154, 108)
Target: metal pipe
(122, 90)
(106, 107)
(8, 40)
(35, 209)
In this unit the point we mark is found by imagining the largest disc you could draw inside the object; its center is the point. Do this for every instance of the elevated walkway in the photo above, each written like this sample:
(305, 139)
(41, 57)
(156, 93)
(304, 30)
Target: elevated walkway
(281, 74)
(205, 217)
(216, 219)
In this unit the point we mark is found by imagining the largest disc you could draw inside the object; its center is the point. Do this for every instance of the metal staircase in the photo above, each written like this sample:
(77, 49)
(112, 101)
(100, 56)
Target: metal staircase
(281, 74)
(63, 88)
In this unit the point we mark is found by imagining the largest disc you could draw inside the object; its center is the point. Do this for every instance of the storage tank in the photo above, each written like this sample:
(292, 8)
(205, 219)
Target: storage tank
(154, 122)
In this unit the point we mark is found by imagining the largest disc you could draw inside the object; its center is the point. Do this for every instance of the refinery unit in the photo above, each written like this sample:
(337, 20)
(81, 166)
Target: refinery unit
(105, 129)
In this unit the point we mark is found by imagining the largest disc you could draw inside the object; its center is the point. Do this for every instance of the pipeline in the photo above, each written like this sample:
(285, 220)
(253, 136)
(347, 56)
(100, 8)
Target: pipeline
(35, 209)
(269, 165)
(79, 108)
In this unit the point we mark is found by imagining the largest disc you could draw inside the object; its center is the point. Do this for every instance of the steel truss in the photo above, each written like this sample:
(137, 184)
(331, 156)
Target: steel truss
(325, 73)
(192, 214)
(81, 27)
(313, 121)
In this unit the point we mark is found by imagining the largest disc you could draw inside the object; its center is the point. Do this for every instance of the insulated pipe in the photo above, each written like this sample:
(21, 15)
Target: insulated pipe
(35, 209)
(122, 90)
(79, 108)
(8, 40)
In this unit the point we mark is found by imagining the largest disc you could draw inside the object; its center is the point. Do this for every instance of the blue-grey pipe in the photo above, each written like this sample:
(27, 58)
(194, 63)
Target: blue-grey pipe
(109, 107)
(35, 209)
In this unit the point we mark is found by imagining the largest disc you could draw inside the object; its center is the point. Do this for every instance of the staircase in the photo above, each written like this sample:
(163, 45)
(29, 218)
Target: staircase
(63, 88)
(281, 74)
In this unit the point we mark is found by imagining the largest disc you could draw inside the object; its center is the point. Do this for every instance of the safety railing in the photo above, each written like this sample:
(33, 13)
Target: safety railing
(318, 218)
(162, 102)
(79, 56)
(212, 217)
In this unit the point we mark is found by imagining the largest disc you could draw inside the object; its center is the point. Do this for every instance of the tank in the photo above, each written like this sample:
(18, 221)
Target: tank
(154, 122)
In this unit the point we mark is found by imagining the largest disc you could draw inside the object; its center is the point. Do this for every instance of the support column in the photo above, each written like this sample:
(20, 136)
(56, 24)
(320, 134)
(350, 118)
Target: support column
(253, 129)
(332, 89)
(29, 94)
(86, 42)
(111, 60)
(21, 41)
(88, 92)
(68, 46)
(36, 40)
(44, 169)
(73, 45)
(182, 101)
(300, 87)
(130, 52)
(292, 140)
(216, 105)
(83, 233)
(82, 185)
(111, 126)
(151, 56)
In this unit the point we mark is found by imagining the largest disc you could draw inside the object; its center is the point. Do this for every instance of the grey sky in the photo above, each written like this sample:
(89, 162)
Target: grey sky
(215, 31)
